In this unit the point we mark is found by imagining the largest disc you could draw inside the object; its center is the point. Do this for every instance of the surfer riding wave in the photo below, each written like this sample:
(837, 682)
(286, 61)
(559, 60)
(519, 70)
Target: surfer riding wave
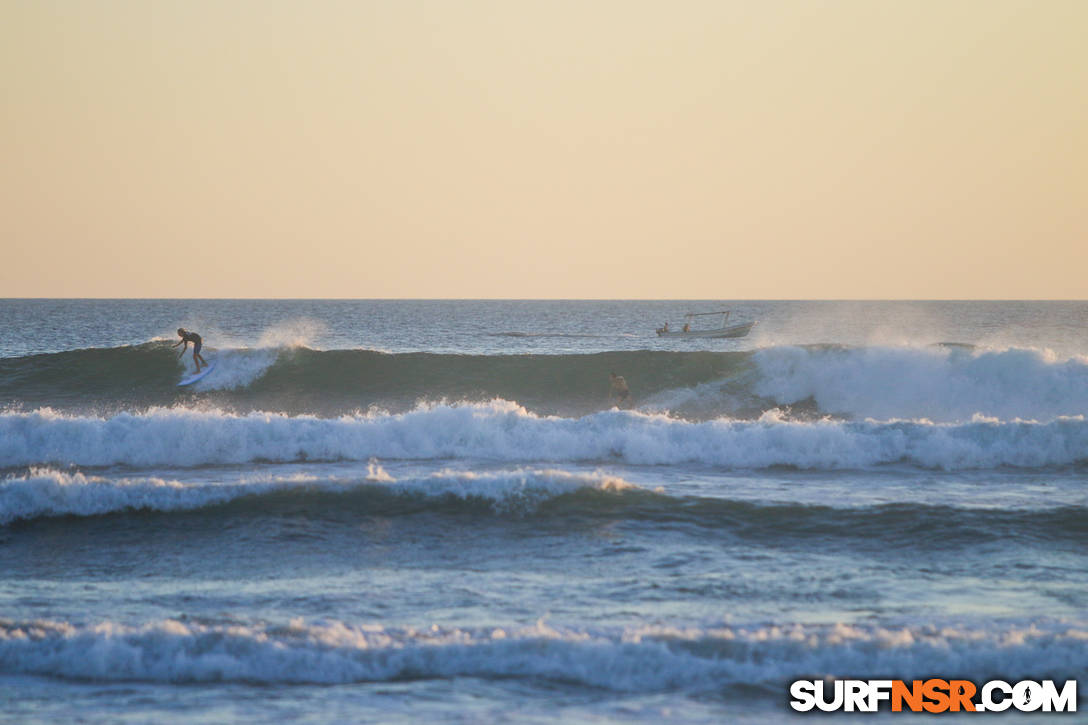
(187, 337)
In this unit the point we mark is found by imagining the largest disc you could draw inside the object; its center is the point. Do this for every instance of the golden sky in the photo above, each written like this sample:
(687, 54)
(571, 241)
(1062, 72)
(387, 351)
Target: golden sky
(719, 149)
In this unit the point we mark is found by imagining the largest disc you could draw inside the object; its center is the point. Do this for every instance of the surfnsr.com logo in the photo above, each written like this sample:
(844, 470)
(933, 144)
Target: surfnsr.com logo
(933, 695)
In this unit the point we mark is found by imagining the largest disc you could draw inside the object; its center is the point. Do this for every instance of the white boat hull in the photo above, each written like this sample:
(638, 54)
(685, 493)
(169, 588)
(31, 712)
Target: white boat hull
(729, 331)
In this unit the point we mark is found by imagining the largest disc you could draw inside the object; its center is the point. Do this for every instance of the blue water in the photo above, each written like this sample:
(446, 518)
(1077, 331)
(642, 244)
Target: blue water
(433, 511)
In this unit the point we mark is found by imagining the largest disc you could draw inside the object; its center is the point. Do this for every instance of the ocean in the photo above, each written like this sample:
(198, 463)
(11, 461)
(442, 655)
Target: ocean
(433, 511)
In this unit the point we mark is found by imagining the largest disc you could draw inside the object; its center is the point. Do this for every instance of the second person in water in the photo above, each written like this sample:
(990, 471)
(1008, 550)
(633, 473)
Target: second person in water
(619, 389)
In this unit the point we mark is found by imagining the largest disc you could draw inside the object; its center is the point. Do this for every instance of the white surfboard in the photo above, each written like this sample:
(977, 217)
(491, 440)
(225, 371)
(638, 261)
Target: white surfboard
(190, 379)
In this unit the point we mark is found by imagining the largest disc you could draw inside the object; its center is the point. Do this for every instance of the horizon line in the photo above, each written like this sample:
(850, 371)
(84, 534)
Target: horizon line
(560, 299)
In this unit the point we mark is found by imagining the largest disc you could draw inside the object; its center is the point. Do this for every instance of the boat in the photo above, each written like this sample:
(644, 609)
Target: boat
(726, 330)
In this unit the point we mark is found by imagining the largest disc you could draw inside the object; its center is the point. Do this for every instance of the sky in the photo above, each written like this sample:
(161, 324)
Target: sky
(691, 149)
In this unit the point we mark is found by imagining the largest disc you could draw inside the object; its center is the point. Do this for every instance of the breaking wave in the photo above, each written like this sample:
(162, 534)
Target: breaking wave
(541, 493)
(944, 383)
(48, 492)
(636, 659)
(505, 431)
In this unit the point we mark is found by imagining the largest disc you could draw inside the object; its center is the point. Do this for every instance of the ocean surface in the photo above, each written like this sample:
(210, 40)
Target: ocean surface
(432, 511)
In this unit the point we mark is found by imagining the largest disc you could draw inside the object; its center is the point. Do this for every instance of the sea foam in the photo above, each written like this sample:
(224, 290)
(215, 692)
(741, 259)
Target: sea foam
(504, 431)
(636, 659)
(946, 384)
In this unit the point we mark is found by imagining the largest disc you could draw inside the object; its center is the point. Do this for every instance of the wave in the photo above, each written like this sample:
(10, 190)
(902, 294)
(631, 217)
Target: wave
(944, 383)
(122, 369)
(298, 379)
(635, 659)
(48, 492)
(541, 493)
(505, 431)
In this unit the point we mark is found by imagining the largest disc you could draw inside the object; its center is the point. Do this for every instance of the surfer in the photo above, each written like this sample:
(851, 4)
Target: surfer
(187, 337)
(619, 389)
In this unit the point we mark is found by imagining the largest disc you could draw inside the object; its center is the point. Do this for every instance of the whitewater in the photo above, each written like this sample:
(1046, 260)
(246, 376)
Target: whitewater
(433, 510)
(505, 431)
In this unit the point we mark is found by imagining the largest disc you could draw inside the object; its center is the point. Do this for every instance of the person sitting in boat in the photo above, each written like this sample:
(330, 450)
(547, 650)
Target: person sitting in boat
(665, 328)
(687, 327)
(619, 389)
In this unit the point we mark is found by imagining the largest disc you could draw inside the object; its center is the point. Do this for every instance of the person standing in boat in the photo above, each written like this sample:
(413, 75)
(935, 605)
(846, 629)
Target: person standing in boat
(187, 337)
(619, 389)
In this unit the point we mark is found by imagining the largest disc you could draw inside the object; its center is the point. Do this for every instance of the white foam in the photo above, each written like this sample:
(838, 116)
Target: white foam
(635, 659)
(504, 431)
(236, 368)
(934, 383)
(520, 490)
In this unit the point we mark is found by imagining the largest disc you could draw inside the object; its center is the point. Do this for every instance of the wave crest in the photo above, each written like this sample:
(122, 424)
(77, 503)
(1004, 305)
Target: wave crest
(944, 383)
(47, 492)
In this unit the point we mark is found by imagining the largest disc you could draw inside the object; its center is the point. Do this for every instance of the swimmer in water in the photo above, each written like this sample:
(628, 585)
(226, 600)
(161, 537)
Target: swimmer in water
(619, 389)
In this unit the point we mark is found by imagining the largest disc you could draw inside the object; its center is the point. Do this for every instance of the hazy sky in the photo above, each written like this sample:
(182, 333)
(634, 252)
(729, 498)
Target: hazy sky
(544, 148)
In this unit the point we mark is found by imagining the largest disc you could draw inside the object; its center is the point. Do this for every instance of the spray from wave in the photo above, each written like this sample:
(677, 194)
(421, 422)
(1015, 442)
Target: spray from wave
(942, 383)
